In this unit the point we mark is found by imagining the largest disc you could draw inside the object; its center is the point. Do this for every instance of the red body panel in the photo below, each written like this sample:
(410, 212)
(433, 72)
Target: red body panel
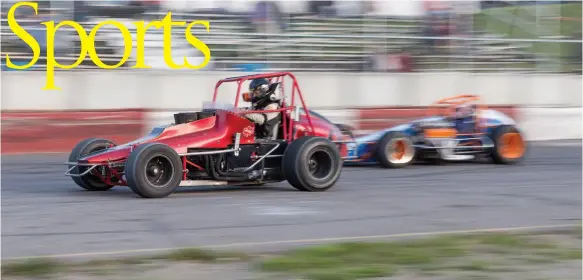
(212, 133)
(217, 132)
(322, 128)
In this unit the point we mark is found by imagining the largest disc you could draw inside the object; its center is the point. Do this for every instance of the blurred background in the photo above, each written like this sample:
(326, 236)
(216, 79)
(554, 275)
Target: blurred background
(366, 64)
(350, 36)
(349, 57)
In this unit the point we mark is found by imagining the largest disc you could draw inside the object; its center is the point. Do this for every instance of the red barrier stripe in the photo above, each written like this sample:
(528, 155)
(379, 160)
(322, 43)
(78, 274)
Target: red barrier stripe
(392, 113)
(80, 115)
(59, 131)
(27, 132)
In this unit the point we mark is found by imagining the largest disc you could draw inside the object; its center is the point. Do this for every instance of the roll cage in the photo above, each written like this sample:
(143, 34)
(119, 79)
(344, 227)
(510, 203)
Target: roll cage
(446, 108)
(288, 120)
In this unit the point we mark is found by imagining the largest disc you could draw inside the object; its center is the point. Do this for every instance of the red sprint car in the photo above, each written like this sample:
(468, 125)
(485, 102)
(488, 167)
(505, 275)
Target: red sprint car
(219, 146)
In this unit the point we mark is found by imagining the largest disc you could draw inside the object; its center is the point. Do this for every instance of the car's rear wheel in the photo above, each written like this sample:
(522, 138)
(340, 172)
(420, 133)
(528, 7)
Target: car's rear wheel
(153, 170)
(312, 164)
(395, 150)
(89, 182)
(509, 145)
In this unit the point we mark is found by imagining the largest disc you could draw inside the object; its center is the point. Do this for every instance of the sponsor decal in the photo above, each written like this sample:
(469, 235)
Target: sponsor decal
(248, 131)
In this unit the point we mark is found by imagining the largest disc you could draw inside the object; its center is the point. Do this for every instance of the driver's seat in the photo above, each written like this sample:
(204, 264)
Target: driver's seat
(270, 129)
(273, 130)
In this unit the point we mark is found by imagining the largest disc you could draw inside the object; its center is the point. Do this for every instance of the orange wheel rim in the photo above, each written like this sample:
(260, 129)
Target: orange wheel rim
(399, 149)
(511, 145)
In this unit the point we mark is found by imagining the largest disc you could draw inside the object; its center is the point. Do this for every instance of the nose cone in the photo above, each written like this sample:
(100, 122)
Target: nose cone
(112, 154)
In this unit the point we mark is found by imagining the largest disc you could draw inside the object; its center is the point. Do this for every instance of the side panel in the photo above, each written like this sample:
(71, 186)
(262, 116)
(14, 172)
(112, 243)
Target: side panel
(211, 133)
(322, 127)
(374, 119)
(494, 118)
(214, 132)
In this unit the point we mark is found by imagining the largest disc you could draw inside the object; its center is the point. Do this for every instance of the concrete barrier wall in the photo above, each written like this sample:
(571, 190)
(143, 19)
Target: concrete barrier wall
(180, 90)
(542, 124)
(547, 107)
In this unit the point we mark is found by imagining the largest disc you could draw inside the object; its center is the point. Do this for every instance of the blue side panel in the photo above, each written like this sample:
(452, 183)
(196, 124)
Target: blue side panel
(365, 143)
(492, 124)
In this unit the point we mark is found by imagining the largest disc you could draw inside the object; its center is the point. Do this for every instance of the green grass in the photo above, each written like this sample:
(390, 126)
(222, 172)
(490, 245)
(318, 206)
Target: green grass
(32, 267)
(512, 242)
(380, 259)
(199, 255)
(475, 254)
(478, 265)
(44, 267)
(578, 231)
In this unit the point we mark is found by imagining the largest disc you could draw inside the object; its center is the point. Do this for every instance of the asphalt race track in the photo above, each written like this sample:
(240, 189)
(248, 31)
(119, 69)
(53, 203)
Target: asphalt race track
(45, 213)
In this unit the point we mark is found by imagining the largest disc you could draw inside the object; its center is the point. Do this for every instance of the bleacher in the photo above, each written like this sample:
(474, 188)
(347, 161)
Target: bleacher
(311, 43)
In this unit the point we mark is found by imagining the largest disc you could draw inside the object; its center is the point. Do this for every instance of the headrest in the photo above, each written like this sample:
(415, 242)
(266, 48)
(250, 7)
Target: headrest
(273, 87)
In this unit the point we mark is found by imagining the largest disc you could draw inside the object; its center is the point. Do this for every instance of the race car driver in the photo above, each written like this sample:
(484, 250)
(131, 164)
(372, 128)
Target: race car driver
(464, 119)
(261, 99)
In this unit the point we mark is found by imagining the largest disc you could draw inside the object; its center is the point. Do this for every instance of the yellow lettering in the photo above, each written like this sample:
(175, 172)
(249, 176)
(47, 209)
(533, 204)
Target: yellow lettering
(88, 43)
(22, 34)
(198, 44)
(51, 62)
(127, 44)
(140, 38)
(168, 23)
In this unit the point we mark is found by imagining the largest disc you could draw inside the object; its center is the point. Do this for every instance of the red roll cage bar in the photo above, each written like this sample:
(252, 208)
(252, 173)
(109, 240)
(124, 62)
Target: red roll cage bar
(279, 77)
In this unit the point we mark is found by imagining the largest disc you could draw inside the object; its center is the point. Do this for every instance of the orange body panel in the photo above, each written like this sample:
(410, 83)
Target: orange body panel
(440, 133)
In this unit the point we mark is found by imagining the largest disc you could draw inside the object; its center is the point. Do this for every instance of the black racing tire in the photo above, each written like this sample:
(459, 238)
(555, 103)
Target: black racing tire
(153, 170)
(312, 164)
(83, 148)
(501, 136)
(390, 156)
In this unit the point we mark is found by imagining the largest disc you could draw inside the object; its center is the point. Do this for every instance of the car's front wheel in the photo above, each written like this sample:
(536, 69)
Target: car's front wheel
(89, 182)
(153, 170)
(395, 150)
(312, 164)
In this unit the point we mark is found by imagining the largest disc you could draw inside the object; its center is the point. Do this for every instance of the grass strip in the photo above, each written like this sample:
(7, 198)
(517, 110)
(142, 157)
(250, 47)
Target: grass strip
(480, 253)
(487, 253)
(43, 266)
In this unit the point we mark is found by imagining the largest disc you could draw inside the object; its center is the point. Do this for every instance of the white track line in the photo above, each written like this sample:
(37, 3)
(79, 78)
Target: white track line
(296, 241)
(557, 144)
